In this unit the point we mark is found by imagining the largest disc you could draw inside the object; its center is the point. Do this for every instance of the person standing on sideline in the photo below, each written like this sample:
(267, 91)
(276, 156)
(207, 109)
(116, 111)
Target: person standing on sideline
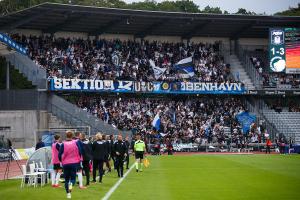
(120, 151)
(139, 150)
(127, 143)
(87, 156)
(112, 150)
(79, 170)
(70, 156)
(99, 152)
(268, 146)
(57, 169)
(40, 144)
(108, 152)
(169, 146)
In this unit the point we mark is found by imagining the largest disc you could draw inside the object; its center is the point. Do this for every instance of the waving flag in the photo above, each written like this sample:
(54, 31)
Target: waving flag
(185, 67)
(158, 72)
(246, 119)
(156, 122)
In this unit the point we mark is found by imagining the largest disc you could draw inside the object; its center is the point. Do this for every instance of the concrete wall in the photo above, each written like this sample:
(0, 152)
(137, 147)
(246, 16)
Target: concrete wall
(225, 41)
(27, 32)
(76, 35)
(254, 43)
(160, 38)
(122, 37)
(23, 124)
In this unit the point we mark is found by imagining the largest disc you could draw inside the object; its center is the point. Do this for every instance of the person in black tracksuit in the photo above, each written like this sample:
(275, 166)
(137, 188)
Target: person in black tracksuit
(108, 152)
(112, 151)
(99, 152)
(127, 143)
(120, 152)
(87, 156)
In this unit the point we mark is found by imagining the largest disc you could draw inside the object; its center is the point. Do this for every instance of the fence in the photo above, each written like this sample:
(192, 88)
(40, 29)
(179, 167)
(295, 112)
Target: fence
(26, 66)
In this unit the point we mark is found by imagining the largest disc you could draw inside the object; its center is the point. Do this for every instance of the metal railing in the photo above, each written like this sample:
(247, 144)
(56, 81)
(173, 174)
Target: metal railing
(283, 128)
(75, 116)
(270, 127)
(29, 99)
(26, 66)
(254, 75)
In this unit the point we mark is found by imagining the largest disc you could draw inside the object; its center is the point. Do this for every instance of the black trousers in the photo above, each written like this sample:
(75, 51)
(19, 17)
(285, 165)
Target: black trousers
(119, 165)
(127, 161)
(106, 161)
(70, 175)
(86, 169)
(114, 161)
(268, 149)
(98, 164)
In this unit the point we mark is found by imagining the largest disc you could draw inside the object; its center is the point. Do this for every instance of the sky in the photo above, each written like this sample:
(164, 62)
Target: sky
(258, 6)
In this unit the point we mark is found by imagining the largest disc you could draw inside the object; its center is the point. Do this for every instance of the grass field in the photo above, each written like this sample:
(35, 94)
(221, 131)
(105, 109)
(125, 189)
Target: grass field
(205, 177)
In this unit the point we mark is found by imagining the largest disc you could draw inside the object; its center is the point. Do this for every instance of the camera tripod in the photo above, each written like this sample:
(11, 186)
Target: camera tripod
(12, 154)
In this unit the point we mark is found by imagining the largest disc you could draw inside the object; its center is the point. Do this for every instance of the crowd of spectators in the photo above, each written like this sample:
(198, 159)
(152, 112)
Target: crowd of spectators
(93, 58)
(200, 120)
(274, 79)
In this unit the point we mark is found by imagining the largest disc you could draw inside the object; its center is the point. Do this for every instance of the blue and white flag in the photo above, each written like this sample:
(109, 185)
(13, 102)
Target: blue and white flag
(174, 117)
(246, 119)
(156, 122)
(106, 115)
(158, 72)
(185, 67)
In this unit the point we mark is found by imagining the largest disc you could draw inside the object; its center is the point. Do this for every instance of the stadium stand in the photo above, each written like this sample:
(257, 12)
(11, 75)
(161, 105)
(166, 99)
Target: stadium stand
(59, 46)
(257, 65)
(77, 58)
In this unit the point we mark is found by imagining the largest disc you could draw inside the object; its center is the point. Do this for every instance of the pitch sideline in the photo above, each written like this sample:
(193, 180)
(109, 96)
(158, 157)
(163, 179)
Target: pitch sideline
(116, 185)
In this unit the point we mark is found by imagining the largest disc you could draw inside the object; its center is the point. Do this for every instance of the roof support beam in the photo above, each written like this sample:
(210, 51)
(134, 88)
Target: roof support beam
(198, 27)
(17, 23)
(102, 29)
(69, 19)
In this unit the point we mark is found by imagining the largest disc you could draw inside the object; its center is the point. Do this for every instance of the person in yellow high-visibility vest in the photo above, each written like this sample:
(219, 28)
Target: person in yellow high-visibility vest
(139, 150)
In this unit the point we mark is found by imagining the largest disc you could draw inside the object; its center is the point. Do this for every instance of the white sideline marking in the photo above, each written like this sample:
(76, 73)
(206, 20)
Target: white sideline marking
(109, 193)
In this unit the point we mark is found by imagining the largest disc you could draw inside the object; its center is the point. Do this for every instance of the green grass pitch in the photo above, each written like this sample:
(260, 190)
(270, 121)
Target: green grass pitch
(207, 177)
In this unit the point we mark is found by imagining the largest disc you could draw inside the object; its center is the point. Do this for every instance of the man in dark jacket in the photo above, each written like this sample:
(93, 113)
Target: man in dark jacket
(127, 143)
(40, 144)
(112, 151)
(87, 156)
(108, 152)
(120, 152)
(99, 152)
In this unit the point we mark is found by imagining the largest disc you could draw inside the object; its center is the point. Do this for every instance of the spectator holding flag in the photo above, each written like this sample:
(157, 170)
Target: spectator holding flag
(156, 122)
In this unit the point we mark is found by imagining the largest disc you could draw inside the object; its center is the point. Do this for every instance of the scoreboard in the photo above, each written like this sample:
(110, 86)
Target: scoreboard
(284, 50)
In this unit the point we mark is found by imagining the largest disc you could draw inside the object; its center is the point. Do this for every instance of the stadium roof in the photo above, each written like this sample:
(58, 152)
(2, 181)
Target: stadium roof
(52, 17)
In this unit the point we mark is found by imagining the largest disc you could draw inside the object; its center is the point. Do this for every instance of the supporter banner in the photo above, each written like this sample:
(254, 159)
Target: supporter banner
(12, 44)
(266, 92)
(57, 84)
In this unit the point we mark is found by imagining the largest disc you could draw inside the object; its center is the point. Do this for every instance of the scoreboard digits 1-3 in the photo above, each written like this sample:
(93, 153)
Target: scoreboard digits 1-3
(284, 50)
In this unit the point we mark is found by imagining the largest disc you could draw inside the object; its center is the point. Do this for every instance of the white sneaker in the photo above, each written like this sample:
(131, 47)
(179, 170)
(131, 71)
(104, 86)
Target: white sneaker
(69, 196)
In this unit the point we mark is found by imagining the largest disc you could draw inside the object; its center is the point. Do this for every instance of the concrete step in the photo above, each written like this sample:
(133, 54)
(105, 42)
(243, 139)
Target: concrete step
(54, 122)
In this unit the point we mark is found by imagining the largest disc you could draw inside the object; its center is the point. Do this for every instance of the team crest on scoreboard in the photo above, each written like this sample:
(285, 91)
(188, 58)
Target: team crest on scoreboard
(277, 37)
